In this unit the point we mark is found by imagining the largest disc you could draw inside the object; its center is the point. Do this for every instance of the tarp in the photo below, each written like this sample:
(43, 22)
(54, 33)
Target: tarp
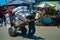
(21, 10)
(23, 4)
(17, 3)
(46, 20)
(14, 2)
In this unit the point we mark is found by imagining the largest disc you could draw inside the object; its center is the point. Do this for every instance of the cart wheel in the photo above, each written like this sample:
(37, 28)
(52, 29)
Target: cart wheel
(23, 30)
(12, 32)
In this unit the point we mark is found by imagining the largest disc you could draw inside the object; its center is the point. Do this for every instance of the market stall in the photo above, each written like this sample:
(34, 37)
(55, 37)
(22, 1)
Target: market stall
(48, 10)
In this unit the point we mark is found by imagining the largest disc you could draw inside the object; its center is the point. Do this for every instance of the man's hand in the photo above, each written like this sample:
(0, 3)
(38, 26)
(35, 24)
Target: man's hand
(31, 20)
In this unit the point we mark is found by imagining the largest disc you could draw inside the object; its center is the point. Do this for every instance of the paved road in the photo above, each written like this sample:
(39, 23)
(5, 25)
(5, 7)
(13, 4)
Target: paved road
(42, 33)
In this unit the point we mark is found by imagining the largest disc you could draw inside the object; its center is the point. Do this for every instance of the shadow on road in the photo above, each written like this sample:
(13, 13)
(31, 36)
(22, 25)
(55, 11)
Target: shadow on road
(25, 36)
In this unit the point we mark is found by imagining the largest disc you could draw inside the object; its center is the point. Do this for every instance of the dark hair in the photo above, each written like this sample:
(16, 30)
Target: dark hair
(34, 13)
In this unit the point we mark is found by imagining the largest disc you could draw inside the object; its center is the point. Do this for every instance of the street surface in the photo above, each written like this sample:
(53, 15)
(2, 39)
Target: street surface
(42, 33)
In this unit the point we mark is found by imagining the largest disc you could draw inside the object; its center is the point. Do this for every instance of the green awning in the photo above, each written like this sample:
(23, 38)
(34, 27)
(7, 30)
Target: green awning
(51, 3)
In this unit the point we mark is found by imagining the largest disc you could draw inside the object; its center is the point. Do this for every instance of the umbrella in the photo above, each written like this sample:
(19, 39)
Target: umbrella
(52, 3)
(44, 5)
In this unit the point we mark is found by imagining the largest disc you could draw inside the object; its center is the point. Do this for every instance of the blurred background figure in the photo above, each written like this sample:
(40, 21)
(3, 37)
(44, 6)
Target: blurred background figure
(58, 18)
(1, 17)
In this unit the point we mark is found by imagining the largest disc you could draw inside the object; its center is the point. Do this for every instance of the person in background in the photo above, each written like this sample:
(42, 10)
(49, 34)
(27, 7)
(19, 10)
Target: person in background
(1, 17)
(4, 19)
(11, 15)
(38, 16)
(58, 18)
(43, 11)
